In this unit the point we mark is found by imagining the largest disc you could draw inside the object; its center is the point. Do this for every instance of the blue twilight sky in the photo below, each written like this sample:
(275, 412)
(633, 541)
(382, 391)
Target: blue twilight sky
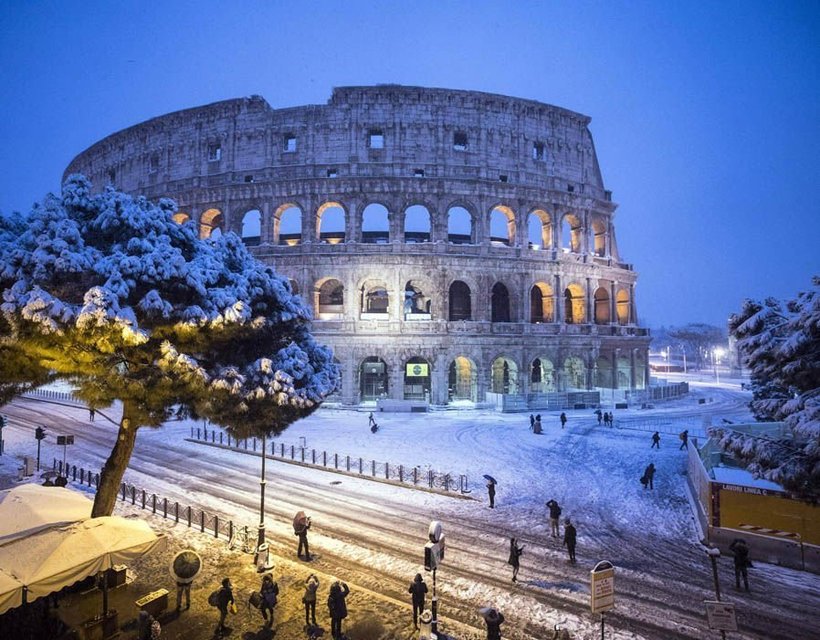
(705, 115)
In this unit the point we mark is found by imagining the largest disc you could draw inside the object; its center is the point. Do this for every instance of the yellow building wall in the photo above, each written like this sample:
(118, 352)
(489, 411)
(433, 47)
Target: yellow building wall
(770, 511)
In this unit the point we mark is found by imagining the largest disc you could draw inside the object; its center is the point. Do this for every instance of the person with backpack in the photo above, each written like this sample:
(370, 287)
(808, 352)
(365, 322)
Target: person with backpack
(555, 515)
(270, 593)
(684, 439)
(563, 419)
(514, 559)
(222, 600)
(309, 600)
(570, 538)
(417, 590)
(742, 562)
(656, 440)
(337, 608)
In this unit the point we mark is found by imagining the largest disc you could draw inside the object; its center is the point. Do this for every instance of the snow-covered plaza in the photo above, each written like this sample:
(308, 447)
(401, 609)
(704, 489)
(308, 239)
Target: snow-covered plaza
(372, 534)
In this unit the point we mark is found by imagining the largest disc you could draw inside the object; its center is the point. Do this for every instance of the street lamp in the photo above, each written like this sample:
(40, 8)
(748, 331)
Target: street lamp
(683, 351)
(717, 354)
(262, 557)
(714, 554)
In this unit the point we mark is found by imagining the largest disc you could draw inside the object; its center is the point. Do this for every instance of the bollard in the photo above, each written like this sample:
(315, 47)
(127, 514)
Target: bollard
(292, 452)
(189, 517)
(401, 473)
(387, 470)
(415, 475)
(133, 494)
(216, 526)
(74, 472)
(335, 460)
(303, 454)
(360, 466)
(165, 508)
(230, 529)
(143, 498)
(446, 481)
(176, 512)
(324, 458)
(281, 449)
(314, 455)
(254, 445)
(348, 464)
(373, 468)
(153, 503)
(202, 521)
(430, 478)
(122, 489)
(197, 433)
(220, 437)
(213, 435)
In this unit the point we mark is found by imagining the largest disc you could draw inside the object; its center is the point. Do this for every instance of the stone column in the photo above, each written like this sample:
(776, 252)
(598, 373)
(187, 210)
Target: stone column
(632, 372)
(590, 319)
(558, 307)
(309, 218)
(438, 381)
(633, 314)
(615, 368)
(613, 306)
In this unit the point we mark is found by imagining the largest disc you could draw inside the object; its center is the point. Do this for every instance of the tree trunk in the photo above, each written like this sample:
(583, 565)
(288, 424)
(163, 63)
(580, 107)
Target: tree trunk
(114, 468)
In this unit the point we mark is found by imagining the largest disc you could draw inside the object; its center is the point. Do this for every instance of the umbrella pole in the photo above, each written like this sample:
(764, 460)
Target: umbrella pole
(104, 577)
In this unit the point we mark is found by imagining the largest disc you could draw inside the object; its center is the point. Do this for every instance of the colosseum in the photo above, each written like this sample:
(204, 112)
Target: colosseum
(456, 247)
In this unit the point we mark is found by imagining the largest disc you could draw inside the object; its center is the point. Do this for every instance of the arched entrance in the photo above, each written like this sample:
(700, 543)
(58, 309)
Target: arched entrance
(575, 373)
(462, 380)
(504, 376)
(542, 376)
(417, 375)
(373, 379)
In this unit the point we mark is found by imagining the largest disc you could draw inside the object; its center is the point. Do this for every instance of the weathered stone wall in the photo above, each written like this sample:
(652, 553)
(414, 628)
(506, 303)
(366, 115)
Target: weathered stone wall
(437, 148)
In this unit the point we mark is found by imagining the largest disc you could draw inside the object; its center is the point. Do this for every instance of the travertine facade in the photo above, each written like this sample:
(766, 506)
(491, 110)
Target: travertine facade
(451, 243)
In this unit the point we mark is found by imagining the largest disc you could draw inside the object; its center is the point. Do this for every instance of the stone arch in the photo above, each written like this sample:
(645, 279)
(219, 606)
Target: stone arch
(597, 240)
(417, 376)
(602, 306)
(504, 375)
(375, 224)
(417, 301)
(373, 379)
(542, 375)
(331, 222)
(624, 372)
(575, 373)
(502, 225)
(180, 217)
(622, 306)
(462, 380)
(542, 303)
(251, 232)
(375, 298)
(539, 230)
(210, 222)
(572, 232)
(417, 223)
(329, 299)
(574, 304)
(500, 303)
(287, 224)
(603, 372)
(460, 225)
(460, 302)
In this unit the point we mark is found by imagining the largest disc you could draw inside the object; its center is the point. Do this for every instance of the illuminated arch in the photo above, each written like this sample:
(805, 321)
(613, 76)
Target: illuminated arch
(574, 304)
(572, 232)
(504, 376)
(597, 238)
(331, 223)
(602, 307)
(542, 303)
(539, 230)
(180, 218)
(462, 380)
(542, 375)
(622, 306)
(502, 225)
(287, 225)
(211, 222)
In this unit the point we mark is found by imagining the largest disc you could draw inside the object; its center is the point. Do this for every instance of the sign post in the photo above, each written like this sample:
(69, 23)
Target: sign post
(65, 441)
(721, 615)
(602, 589)
(433, 556)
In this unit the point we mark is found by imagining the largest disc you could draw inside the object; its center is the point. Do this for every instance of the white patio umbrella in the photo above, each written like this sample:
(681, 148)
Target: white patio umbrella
(55, 558)
(29, 508)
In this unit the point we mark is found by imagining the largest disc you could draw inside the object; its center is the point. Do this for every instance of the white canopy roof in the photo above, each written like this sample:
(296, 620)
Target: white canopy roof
(29, 508)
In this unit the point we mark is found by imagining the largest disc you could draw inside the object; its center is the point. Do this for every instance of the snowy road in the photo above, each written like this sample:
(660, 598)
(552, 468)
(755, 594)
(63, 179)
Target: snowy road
(372, 534)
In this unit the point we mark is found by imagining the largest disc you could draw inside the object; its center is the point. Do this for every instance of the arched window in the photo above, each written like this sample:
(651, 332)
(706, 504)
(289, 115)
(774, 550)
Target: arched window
(575, 373)
(571, 233)
(500, 303)
(331, 300)
(574, 305)
(376, 301)
(210, 224)
(603, 373)
(542, 376)
(601, 306)
(597, 239)
(622, 306)
(417, 375)
(252, 227)
(504, 376)
(502, 226)
(542, 306)
(539, 230)
(417, 305)
(287, 225)
(462, 380)
(181, 218)
(416, 224)
(375, 224)
(624, 373)
(373, 379)
(330, 223)
(460, 226)
(460, 301)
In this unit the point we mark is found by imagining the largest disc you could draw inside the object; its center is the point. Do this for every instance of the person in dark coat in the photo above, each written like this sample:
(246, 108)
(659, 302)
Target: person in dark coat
(184, 589)
(270, 592)
(91, 414)
(337, 607)
(514, 559)
(371, 421)
(537, 426)
(532, 421)
(494, 620)
(656, 440)
(742, 562)
(491, 494)
(309, 599)
(599, 414)
(648, 477)
(563, 419)
(303, 540)
(570, 538)
(684, 439)
(223, 600)
(417, 589)
(555, 515)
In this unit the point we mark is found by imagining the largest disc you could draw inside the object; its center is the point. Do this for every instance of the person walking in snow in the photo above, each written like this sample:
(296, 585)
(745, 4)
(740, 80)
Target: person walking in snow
(270, 593)
(532, 421)
(563, 419)
(742, 562)
(598, 415)
(656, 440)
(494, 620)
(515, 555)
(555, 515)
(417, 589)
(570, 539)
(91, 414)
(371, 420)
(684, 439)
(537, 427)
(648, 477)
(337, 608)
(491, 494)
(224, 599)
(301, 532)
(309, 600)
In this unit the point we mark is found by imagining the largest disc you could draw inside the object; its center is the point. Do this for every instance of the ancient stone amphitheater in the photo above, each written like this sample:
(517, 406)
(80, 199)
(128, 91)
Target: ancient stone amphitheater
(455, 246)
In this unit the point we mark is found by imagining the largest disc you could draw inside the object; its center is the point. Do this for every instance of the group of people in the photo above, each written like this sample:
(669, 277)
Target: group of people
(604, 416)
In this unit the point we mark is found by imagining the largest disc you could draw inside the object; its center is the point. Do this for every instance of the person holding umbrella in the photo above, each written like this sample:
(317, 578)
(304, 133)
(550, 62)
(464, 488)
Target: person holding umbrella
(301, 524)
(490, 489)
(515, 555)
(184, 568)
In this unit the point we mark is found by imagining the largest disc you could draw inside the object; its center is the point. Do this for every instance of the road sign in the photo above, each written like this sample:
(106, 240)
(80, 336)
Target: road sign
(64, 440)
(720, 615)
(602, 587)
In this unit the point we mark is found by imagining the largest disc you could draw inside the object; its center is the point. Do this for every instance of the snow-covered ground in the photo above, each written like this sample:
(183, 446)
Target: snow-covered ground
(372, 534)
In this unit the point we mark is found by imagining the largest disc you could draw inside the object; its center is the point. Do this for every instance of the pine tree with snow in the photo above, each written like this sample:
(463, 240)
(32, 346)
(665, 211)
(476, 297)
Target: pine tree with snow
(109, 293)
(780, 344)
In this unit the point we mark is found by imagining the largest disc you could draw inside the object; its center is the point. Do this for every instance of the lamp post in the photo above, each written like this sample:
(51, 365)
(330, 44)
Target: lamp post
(683, 351)
(714, 554)
(717, 353)
(262, 555)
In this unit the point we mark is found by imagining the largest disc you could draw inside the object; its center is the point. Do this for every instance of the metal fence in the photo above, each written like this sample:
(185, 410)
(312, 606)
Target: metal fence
(193, 517)
(411, 476)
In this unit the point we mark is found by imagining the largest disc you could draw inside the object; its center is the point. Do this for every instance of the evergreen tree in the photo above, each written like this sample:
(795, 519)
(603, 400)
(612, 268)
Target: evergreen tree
(109, 293)
(781, 346)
